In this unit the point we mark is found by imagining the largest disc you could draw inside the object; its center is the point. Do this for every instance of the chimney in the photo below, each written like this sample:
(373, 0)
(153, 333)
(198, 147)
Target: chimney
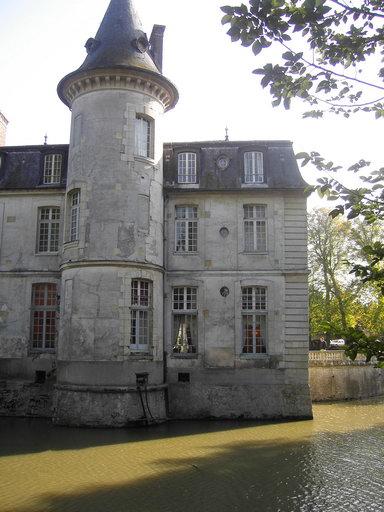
(3, 129)
(156, 45)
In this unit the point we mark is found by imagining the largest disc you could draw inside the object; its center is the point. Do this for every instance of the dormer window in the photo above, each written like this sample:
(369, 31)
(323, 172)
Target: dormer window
(186, 168)
(253, 167)
(143, 136)
(52, 169)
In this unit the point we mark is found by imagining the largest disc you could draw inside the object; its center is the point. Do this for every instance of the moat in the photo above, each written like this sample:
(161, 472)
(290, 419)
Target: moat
(333, 463)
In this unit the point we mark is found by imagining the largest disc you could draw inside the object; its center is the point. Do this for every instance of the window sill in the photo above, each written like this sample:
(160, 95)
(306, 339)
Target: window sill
(253, 356)
(186, 253)
(41, 351)
(137, 354)
(184, 356)
(46, 253)
(255, 253)
(146, 159)
(254, 185)
(187, 185)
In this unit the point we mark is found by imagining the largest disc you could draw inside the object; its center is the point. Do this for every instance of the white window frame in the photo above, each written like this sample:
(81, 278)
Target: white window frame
(48, 229)
(143, 136)
(253, 167)
(254, 314)
(185, 308)
(186, 229)
(45, 313)
(255, 228)
(74, 199)
(52, 169)
(141, 315)
(186, 167)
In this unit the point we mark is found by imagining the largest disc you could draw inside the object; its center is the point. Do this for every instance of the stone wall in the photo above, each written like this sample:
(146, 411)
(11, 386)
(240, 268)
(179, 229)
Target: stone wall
(3, 129)
(26, 399)
(332, 376)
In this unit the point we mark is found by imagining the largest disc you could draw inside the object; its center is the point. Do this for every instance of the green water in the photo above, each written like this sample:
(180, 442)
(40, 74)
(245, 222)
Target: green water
(333, 463)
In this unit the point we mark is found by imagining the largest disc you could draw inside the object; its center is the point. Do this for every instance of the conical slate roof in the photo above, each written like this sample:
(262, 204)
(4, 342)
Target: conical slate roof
(120, 41)
(120, 44)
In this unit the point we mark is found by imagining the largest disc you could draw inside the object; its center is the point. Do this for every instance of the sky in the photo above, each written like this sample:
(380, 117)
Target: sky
(43, 40)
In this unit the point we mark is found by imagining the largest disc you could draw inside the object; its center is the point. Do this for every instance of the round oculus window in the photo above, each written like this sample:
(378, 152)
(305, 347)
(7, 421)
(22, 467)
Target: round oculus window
(222, 162)
(224, 291)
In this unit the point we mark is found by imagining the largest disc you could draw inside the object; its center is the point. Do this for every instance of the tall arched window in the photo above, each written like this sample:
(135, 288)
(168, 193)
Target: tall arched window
(43, 316)
(143, 136)
(74, 215)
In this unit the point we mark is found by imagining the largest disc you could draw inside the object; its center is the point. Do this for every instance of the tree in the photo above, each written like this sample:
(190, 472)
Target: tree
(328, 250)
(339, 35)
(326, 45)
(338, 302)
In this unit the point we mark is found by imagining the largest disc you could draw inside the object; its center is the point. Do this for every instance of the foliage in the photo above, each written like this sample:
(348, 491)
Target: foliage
(360, 343)
(366, 202)
(338, 302)
(323, 44)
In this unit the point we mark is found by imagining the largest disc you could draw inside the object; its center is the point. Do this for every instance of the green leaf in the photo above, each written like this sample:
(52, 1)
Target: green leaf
(226, 19)
(301, 155)
(257, 47)
(228, 9)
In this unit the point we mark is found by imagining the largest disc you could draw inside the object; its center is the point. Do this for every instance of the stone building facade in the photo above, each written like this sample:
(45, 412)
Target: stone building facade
(147, 281)
(3, 129)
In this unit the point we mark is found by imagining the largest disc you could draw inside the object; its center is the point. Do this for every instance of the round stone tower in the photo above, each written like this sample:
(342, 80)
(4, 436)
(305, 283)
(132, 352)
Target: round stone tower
(110, 351)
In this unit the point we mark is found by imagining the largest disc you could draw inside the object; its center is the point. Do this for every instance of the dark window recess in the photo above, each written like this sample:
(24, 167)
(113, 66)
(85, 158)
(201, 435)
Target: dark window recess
(184, 377)
(40, 376)
(141, 379)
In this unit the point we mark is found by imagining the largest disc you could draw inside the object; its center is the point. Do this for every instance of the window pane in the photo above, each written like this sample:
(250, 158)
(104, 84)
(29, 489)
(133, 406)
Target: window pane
(141, 301)
(186, 230)
(44, 311)
(253, 167)
(186, 168)
(254, 329)
(142, 137)
(52, 169)
(184, 298)
(255, 228)
(38, 329)
(254, 298)
(48, 230)
(74, 216)
(185, 334)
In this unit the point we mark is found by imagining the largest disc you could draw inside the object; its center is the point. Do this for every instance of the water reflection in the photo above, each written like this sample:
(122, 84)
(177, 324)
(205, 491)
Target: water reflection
(333, 463)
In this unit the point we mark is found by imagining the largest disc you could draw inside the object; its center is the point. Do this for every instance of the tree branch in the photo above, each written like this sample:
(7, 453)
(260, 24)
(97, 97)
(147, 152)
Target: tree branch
(356, 9)
(326, 70)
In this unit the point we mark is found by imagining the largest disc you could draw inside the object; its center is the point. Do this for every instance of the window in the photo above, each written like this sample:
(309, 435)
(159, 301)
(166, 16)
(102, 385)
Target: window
(52, 169)
(74, 217)
(44, 312)
(186, 229)
(253, 167)
(186, 168)
(143, 137)
(184, 320)
(254, 319)
(48, 230)
(255, 228)
(141, 307)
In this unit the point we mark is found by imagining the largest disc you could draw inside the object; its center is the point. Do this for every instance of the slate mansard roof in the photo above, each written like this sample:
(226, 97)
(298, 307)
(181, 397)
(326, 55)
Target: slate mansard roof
(22, 167)
(279, 164)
